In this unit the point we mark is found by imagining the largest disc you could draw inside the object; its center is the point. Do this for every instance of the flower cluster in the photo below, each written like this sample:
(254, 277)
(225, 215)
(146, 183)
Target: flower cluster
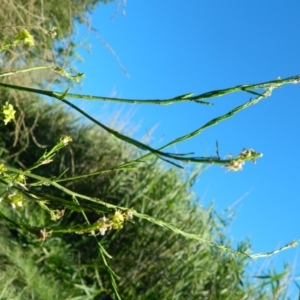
(12, 194)
(114, 221)
(249, 154)
(8, 112)
(26, 37)
(65, 140)
(236, 164)
(15, 199)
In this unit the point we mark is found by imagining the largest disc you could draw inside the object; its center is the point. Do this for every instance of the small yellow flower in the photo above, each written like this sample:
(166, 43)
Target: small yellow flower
(117, 220)
(8, 112)
(26, 37)
(65, 139)
(16, 200)
(20, 178)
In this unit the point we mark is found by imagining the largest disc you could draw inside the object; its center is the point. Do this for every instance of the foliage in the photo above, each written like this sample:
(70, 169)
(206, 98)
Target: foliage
(53, 28)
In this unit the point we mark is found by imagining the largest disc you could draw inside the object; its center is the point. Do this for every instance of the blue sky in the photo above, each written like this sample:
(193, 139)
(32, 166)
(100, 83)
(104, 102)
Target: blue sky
(174, 47)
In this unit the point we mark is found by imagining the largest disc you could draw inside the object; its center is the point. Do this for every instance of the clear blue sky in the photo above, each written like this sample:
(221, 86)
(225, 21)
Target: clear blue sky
(173, 47)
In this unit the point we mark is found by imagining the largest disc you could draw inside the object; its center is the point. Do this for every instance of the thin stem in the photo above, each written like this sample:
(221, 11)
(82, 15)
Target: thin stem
(215, 121)
(63, 189)
(36, 230)
(268, 86)
(186, 97)
(271, 253)
(208, 160)
(58, 95)
(25, 70)
(104, 254)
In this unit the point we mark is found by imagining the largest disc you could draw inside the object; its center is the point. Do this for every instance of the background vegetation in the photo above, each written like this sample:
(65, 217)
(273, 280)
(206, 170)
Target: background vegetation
(152, 262)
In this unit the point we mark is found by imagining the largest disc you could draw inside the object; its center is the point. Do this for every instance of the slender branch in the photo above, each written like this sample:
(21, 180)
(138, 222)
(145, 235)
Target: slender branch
(63, 189)
(186, 97)
(25, 70)
(37, 231)
(104, 254)
(271, 253)
(216, 121)
(268, 86)
(209, 160)
(58, 95)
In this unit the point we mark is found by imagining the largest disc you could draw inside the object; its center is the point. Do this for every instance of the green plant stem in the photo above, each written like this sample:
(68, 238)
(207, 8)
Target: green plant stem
(186, 97)
(136, 214)
(44, 180)
(166, 156)
(25, 70)
(290, 245)
(58, 95)
(189, 235)
(213, 122)
(104, 254)
(208, 160)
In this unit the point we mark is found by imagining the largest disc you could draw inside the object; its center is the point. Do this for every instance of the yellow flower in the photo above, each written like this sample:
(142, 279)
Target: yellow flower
(117, 220)
(8, 112)
(26, 37)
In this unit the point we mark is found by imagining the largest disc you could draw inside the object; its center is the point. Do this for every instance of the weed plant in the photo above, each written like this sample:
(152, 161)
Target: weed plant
(88, 203)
